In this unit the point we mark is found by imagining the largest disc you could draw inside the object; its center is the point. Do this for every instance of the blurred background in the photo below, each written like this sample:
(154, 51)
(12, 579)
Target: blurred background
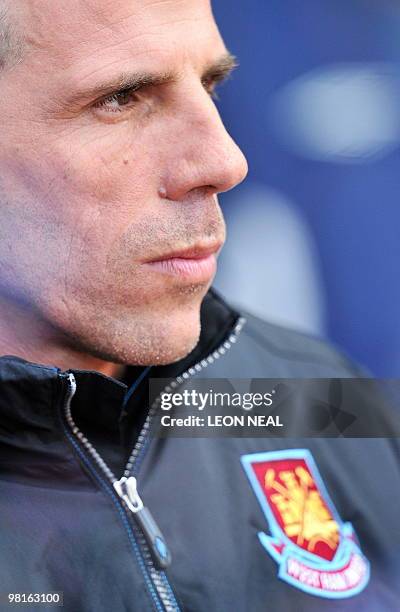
(313, 234)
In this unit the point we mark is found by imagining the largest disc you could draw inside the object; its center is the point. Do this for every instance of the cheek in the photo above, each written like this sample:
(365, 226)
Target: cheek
(60, 218)
(70, 209)
(89, 166)
(110, 167)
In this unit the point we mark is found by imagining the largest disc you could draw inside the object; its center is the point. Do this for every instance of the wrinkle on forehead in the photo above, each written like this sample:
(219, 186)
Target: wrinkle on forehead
(110, 11)
(54, 19)
(85, 32)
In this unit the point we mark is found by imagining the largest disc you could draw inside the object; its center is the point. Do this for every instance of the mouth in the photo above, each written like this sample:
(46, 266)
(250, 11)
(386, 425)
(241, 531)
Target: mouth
(196, 264)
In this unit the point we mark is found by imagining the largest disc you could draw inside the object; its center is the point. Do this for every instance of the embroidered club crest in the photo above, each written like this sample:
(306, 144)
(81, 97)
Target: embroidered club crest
(315, 551)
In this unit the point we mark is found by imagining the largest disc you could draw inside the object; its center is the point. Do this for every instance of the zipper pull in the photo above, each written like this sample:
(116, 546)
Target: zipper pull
(127, 490)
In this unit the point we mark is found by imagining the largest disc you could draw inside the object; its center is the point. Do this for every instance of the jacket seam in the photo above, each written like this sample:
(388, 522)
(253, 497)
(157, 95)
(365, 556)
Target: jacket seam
(312, 358)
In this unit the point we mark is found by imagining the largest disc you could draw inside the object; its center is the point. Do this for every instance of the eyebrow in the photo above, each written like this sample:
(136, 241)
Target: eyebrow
(218, 70)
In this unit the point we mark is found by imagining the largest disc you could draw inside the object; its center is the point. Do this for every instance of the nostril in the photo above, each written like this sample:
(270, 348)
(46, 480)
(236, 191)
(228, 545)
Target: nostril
(201, 193)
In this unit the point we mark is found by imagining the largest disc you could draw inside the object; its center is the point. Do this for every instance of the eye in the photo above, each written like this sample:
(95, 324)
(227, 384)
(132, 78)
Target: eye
(210, 85)
(117, 102)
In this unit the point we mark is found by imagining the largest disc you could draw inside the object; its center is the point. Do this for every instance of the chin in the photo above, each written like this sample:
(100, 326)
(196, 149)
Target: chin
(146, 339)
(166, 334)
(175, 338)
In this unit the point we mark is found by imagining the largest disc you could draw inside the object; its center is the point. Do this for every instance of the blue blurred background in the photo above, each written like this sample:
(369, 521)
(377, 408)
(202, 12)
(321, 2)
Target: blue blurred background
(313, 234)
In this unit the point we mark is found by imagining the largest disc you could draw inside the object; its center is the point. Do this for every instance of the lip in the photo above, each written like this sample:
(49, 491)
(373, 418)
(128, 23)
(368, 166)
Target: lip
(194, 264)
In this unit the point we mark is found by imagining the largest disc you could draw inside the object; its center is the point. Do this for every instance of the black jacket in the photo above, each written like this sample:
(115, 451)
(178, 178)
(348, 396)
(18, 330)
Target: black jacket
(221, 504)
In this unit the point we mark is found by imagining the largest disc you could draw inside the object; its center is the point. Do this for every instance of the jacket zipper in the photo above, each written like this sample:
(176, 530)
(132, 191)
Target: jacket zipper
(139, 449)
(152, 544)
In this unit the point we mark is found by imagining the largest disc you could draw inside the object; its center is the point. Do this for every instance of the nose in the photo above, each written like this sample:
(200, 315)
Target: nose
(204, 157)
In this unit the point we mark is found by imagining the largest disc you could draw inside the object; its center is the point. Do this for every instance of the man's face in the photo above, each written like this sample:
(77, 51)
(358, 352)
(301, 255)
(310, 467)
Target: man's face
(97, 181)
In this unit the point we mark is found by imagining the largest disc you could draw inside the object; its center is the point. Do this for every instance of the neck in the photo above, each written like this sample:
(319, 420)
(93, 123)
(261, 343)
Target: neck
(24, 334)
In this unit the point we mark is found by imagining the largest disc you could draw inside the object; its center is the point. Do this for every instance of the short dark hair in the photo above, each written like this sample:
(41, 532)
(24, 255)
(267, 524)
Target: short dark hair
(10, 41)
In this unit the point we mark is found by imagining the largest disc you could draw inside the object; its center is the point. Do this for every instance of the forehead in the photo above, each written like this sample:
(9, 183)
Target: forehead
(81, 33)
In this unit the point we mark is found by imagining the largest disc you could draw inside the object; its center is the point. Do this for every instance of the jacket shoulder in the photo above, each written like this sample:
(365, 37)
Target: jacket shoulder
(293, 352)
(263, 349)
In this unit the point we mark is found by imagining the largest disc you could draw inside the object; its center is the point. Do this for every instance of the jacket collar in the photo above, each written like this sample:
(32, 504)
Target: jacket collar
(30, 394)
